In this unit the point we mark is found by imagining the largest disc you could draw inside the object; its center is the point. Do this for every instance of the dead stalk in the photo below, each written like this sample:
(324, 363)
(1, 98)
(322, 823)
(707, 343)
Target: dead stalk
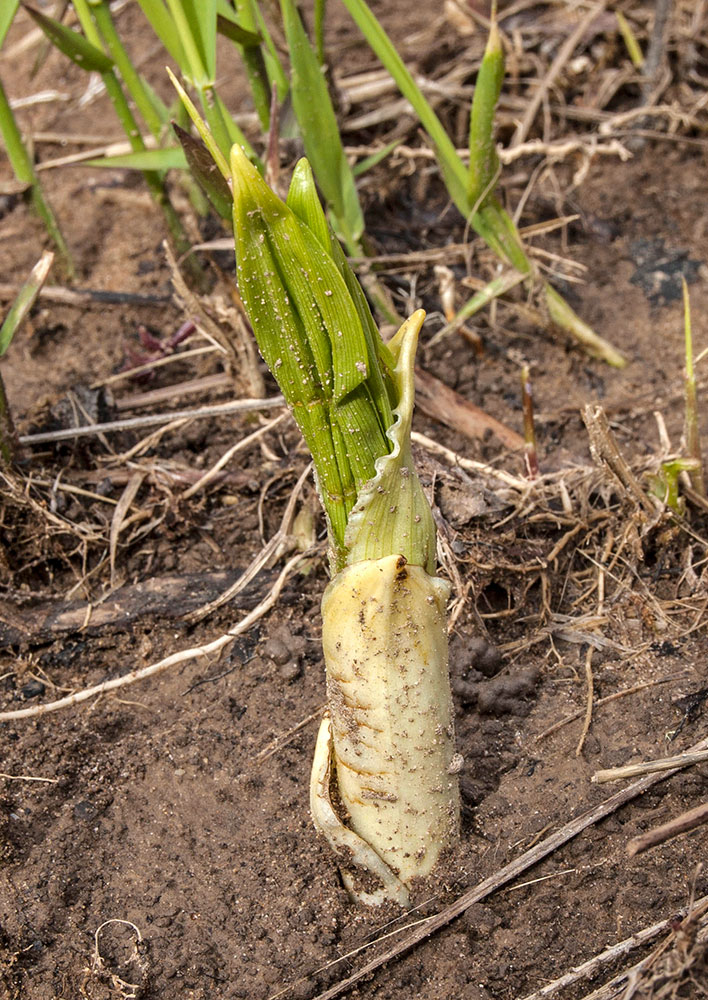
(216, 646)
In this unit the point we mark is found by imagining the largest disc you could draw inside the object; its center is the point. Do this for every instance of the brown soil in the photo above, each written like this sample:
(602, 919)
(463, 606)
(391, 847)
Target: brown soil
(169, 844)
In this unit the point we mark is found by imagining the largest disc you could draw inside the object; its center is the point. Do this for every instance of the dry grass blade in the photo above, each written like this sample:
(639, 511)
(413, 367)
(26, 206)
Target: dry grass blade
(210, 648)
(119, 516)
(564, 54)
(27, 777)
(671, 971)
(154, 419)
(606, 453)
(649, 766)
(588, 709)
(688, 820)
(612, 954)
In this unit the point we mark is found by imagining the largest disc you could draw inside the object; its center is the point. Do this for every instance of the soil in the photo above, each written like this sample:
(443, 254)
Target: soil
(156, 842)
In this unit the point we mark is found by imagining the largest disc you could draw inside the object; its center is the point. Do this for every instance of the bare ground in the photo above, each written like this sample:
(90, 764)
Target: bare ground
(155, 841)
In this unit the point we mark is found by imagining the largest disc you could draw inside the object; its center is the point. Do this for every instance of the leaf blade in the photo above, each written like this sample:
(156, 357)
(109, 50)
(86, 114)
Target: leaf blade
(71, 43)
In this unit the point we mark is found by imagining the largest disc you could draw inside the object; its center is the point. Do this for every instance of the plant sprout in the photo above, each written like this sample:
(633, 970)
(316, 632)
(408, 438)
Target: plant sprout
(472, 188)
(24, 300)
(387, 738)
(20, 159)
(691, 430)
(89, 52)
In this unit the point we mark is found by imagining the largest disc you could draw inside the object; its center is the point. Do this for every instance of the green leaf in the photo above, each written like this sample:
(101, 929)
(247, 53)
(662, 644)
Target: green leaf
(369, 162)
(24, 300)
(8, 9)
(233, 30)
(205, 171)
(201, 126)
(484, 161)
(71, 43)
(164, 27)
(310, 335)
(320, 132)
(305, 202)
(150, 159)
(453, 169)
(195, 21)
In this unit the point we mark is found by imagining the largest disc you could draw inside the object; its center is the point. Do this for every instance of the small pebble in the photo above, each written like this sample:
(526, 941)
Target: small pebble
(276, 650)
(32, 689)
(290, 671)
(84, 810)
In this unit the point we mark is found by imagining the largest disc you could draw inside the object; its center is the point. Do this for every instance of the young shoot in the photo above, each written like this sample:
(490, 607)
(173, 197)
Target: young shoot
(386, 743)
(24, 300)
(472, 188)
(691, 429)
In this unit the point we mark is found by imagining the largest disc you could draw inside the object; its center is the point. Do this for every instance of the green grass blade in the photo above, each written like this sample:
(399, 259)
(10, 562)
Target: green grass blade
(497, 229)
(692, 434)
(71, 43)
(369, 162)
(319, 19)
(453, 169)
(161, 109)
(480, 300)
(134, 83)
(195, 21)
(249, 45)
(201, 127)
(164, 27)
(630, 40)
(19, 158)
(229, 27)
(25, 299)
(250, 15)
(232, 131)
(8, 9)
(24, 171)
(320, 131)
(148, 159)
(565, 318)
(484, 161)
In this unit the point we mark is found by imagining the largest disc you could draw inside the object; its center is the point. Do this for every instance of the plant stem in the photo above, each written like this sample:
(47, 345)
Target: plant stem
(24, 171)
(565, 318)
(530, 451)
(133, 81)
(692, 433)
(8, 436)
(154, 179)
